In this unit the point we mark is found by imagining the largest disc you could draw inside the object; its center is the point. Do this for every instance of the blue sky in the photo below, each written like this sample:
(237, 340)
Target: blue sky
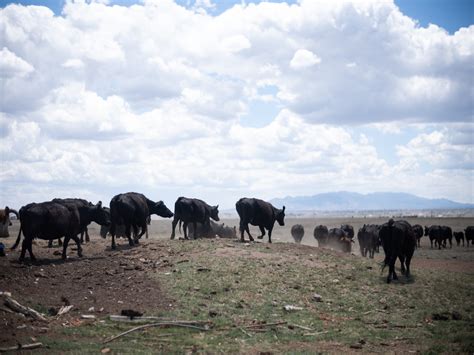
(449, 14)
(265, 101)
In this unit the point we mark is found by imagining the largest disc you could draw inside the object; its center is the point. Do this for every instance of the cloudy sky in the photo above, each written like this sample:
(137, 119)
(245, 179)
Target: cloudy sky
(220, 100)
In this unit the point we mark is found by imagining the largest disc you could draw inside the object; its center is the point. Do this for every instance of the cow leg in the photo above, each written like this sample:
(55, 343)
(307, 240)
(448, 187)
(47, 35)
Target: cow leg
(113, 246)
(248, 232)
(78, 243)
(88, 239)
(173, 224)
(65, 244)
(50, 243)
(262, 230)
(128, 233)
(269, 234)
(24, 247)
(195, 230)
(30, 250)
(185, 230)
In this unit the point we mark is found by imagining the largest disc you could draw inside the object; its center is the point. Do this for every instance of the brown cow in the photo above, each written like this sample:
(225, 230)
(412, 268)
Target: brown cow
(5, 221)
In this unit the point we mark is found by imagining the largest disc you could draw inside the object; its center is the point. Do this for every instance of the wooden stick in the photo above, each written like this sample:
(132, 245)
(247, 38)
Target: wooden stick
(27, 311)
(126, 319)
(158, 324)
(317, 333)
(301, 327)
(264, 325)
(22, 347)
(245, 332)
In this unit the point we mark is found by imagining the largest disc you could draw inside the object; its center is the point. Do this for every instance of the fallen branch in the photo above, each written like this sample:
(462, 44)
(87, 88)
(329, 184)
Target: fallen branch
(317, 333)
(22, 347)
(245, 332)
(126, 319)
(158, 324)
(264, 325)
(300, 327)
(17, 307)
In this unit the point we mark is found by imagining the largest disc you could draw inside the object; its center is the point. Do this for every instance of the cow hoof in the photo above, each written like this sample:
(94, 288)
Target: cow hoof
(79, 253)
(260, 237)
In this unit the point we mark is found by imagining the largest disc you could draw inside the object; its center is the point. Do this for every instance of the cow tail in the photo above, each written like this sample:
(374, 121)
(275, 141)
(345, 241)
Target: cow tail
(179, 226)
(17, 240)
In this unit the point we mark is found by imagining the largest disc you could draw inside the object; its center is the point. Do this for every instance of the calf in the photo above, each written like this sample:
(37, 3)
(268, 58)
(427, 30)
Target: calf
(368, 237)
(339, 239)
(418, 230)
(459, 236)
(297, 232)
(348, 229)
(213, 230)
(469, 234)
(320, 233)
(398, 240)
(258, 213)
(193, 210)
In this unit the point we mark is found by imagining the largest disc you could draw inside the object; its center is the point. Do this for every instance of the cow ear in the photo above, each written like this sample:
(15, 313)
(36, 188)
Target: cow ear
(283, 209)
(99, 204)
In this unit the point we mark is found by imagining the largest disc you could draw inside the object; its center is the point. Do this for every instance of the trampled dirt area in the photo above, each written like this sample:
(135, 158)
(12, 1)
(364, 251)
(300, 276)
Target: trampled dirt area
(232, 284)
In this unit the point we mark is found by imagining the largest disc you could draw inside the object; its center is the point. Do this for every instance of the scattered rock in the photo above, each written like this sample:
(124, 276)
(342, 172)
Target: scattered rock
(212, 314)
(290, 308)
(317, 298)
(87, 316)
(105, 350)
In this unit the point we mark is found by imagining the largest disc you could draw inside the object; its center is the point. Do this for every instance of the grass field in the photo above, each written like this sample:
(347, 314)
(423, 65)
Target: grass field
(240, 291)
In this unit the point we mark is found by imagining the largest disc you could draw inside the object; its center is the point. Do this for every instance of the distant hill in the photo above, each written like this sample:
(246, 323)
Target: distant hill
(352, 201)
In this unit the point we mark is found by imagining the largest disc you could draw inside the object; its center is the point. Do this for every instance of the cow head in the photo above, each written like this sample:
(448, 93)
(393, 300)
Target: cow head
(280, 216)
(215, 213)
(101, 215)
(161, 210)
(346, 243)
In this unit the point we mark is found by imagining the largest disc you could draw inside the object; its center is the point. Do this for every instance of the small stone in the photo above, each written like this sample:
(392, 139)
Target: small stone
(212, 314)
(317, 297)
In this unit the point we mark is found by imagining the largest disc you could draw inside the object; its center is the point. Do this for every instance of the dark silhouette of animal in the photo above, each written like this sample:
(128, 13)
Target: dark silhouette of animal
(52, 220)
(418, 230)
(297, 232)
(368, 237)
(439, 235)
(120, 229)
(258, 213)
(469, 234)
(5, 221)
(339, 239)
(213, 230)
(348, 229)
(459, 236)
(133, 209)
(193, 210)
(320, 233)
(85, 215)
(398, 240)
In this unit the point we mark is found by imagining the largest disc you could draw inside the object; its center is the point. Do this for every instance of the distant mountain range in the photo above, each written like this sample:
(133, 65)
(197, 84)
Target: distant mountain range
(352, 201)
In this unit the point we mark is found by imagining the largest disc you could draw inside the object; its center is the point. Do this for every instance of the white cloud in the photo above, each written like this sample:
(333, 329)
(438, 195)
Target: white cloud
(152, 97)
(304, 59)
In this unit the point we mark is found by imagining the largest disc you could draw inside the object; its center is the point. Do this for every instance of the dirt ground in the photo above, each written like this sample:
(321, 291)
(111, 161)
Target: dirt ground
(106, 281)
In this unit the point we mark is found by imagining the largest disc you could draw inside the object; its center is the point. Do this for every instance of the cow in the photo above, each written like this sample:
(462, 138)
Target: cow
(469, 234)
(52, 220)
(85, 213)
(368, 237)
(348, 229)
(440, 235)
(398, 240)
(133, 209)
(5, 221)
(193, 210)
(120, 229)
(459, 236)
(418, 230)
(258, 213)
(213, 230)
(320, 233)
(339, 239)
(297, 232)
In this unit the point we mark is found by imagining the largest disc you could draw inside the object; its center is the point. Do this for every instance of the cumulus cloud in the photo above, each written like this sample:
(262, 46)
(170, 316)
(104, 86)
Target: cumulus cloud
(152, 97)
(304, 59)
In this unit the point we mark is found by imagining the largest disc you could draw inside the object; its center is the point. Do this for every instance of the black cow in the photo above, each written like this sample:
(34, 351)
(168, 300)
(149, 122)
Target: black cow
(459, 236)
(133, 209)
(213, 230)
(48, 220)
(258, 213)
(297, 232)
(469, 234)
(398, 240)
(348, 229)
(368, 237)
(418, 230)
(320, 233)
(86, 214)
(193, 210)
(440, 235)
(339, 239)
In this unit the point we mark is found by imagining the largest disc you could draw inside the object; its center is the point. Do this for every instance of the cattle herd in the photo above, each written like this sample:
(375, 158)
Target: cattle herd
(130, 212)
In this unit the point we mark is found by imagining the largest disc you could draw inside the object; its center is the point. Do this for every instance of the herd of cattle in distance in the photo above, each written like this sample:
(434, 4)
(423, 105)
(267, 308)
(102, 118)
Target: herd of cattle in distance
(129, 211)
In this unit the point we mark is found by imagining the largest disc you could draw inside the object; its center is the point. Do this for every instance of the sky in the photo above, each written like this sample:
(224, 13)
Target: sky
(224, 99)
